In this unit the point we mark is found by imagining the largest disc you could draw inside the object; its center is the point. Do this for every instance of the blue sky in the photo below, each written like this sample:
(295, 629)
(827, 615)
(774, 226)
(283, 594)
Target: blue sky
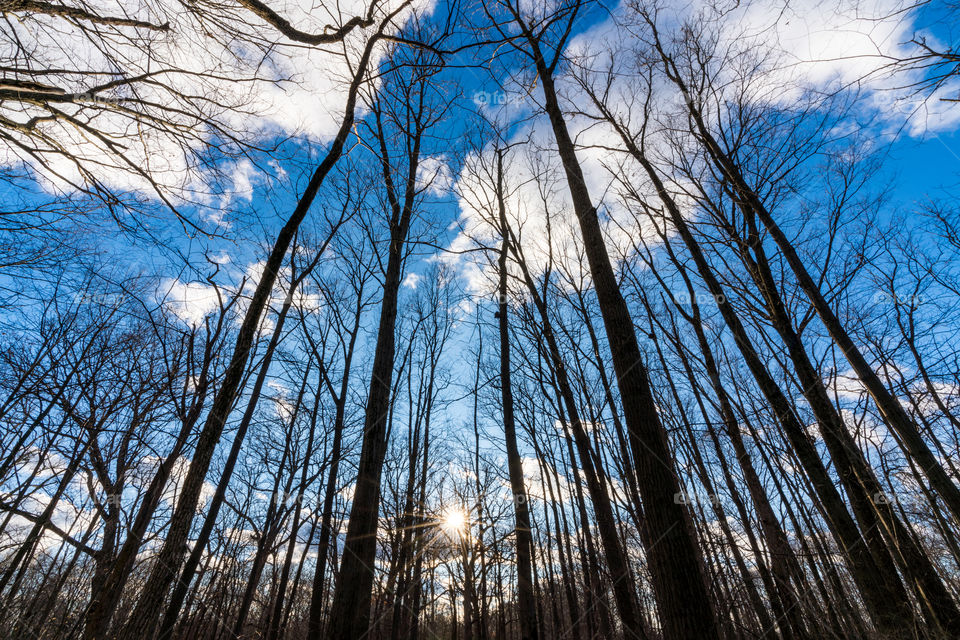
(919, 165)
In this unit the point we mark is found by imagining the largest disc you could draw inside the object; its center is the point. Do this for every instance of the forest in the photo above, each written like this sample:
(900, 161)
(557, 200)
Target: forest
(480, 319)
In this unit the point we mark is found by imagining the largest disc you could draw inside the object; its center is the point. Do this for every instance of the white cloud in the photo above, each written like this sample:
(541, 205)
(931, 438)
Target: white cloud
(190, 301)
(219, 65)
(243, 176)
(538, 208)
(433, 175)
(831, 44)
(537, 488)
(283, 406)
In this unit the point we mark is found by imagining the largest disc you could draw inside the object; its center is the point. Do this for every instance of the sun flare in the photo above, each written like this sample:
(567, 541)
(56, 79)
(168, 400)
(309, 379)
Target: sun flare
(454, 520)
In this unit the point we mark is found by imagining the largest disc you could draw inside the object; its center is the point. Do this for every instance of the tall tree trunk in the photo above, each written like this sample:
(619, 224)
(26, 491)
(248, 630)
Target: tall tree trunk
(521, 509)
(683, 601)
(143, 621)
(890, 408)
(216, 501)
(862, 564)
(617, 561)
(350, 613)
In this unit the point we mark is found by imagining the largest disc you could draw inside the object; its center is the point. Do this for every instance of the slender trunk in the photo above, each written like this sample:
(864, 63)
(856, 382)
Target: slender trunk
(890, 408)
(315, 614)
(867, 575)
(683, 601)
(216, 501)
(350, 613)
(143, 622)
(521, 510)
(767, 624)
(276, 617)
(273, 520)
(617, 562)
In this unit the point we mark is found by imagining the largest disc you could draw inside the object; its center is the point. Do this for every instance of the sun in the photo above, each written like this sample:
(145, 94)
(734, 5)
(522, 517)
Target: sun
(454, 520)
